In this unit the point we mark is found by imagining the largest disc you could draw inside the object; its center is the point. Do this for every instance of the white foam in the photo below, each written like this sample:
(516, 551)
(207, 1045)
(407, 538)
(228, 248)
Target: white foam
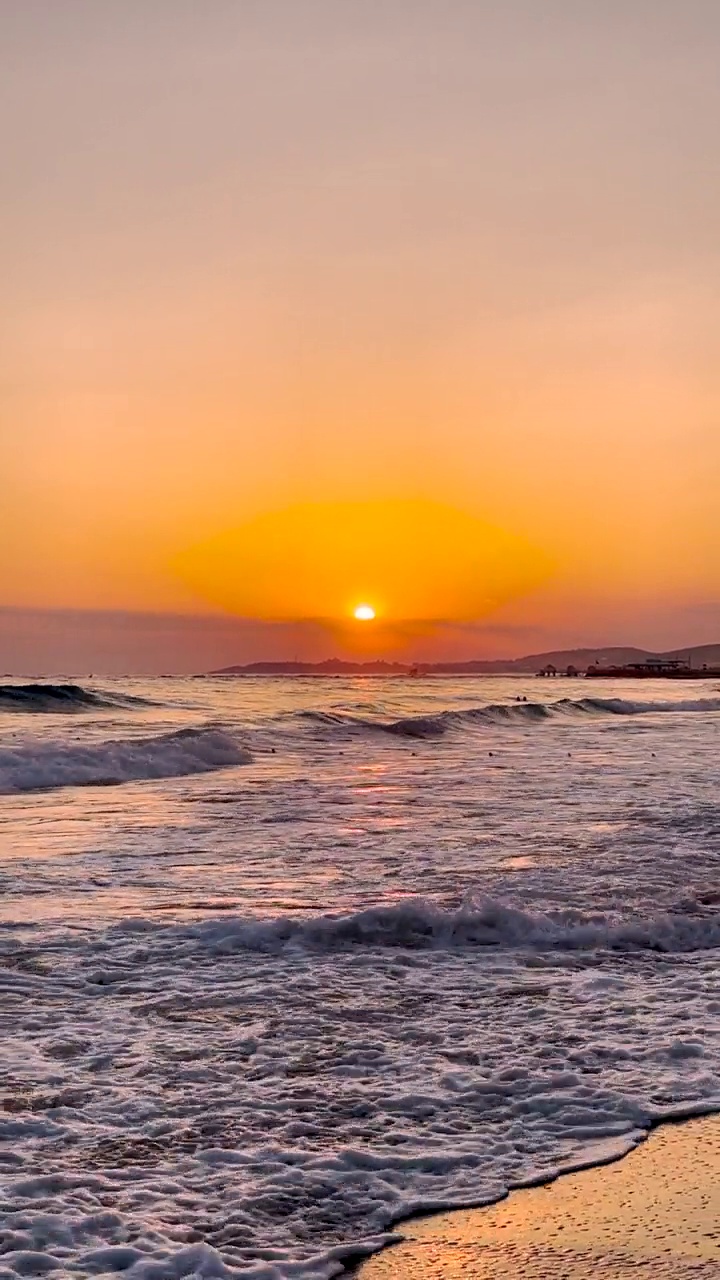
(33, 766)
(194, 1108)
(417, 924)
(248, 1028)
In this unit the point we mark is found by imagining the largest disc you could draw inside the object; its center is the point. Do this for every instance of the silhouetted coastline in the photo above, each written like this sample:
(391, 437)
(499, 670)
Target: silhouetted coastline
(580, 659)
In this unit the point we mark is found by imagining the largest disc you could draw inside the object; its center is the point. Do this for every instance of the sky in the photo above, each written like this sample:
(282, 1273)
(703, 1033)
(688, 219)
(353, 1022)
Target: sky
(312, 303)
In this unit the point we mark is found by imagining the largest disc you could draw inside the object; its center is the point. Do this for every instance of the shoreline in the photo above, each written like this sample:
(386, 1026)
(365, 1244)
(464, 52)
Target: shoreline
(651, 1211)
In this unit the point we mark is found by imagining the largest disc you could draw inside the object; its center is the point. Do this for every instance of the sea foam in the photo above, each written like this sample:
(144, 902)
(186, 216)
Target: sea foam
(249, 1028)
(417, 924)
(35, 766)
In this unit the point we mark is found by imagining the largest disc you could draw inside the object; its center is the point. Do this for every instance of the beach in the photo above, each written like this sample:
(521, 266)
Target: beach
(655, 1213)
(359, 640)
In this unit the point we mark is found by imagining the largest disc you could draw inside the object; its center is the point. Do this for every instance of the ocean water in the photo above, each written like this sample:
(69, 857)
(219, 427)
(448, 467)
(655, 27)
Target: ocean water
(283, 961)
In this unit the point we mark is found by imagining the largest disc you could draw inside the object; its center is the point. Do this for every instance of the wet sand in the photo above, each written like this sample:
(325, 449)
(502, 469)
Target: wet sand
(656, 1213)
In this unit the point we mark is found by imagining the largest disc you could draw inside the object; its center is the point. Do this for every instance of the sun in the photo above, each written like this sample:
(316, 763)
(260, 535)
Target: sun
(364, 613)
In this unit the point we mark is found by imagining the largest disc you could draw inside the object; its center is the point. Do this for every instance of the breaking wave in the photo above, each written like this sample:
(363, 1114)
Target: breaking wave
(45, 766)
(518, 713)
(62, 697)
(421, 925)
(630, 707)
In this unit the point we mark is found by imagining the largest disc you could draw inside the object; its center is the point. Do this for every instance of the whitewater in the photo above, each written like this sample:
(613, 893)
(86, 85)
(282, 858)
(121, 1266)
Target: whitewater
(283, 961)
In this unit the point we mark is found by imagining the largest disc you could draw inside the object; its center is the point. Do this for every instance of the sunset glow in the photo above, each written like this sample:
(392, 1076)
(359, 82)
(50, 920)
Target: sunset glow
(258, 307)
(359, 633)
(423, 563)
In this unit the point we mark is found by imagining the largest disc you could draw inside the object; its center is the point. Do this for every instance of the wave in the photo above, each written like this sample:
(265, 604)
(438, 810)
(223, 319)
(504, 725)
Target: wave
(421, 925)
(630, 707)
(45, 766)
(430, 726)
(62, 697)
(518, 713)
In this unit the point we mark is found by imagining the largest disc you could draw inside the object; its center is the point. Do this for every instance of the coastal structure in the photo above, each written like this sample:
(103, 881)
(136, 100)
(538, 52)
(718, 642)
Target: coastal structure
(653, 669)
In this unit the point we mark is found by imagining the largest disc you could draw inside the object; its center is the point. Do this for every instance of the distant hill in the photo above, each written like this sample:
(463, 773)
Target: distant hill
(561, 658)
(614, 655)
(330, 667)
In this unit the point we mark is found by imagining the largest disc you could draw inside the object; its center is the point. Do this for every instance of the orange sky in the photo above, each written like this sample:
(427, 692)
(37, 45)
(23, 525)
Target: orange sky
(262, 259)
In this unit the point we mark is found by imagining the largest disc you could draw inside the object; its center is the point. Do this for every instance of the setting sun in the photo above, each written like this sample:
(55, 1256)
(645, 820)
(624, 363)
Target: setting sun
(360, 364)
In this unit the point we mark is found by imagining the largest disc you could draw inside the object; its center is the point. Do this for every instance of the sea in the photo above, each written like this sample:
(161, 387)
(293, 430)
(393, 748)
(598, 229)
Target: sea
(284, 961)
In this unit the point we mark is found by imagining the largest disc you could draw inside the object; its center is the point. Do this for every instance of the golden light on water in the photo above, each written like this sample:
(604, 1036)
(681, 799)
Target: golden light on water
(364, 613)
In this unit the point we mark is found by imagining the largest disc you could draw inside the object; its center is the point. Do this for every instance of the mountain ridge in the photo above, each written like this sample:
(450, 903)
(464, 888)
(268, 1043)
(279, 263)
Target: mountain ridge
(696, 655)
